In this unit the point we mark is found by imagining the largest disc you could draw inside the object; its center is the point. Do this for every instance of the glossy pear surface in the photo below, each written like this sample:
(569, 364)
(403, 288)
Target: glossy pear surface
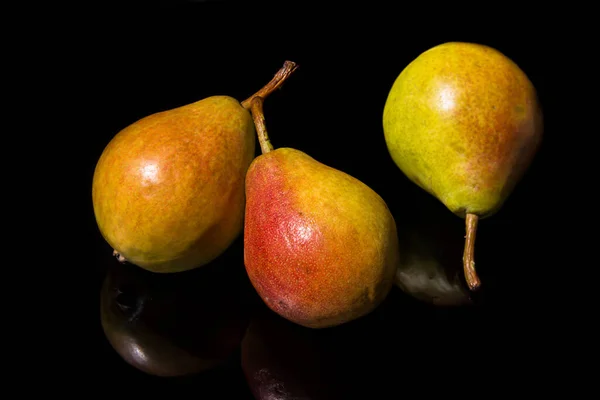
(462, 121)
(168, 190)
(320, 247)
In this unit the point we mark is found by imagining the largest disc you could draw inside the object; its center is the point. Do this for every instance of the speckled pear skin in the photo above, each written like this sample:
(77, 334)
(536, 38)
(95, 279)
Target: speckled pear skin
(168, 190)
(463, 122)
(320, 246)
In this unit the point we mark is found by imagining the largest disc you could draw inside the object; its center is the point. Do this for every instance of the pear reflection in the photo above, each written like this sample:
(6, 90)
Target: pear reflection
(431, 251)
(282, 360)
(176, 324)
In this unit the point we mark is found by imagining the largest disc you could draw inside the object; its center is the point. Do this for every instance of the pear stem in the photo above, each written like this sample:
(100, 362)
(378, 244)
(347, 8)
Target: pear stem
(280, 77)
(119, 256)
(469, 254)
(256, 109)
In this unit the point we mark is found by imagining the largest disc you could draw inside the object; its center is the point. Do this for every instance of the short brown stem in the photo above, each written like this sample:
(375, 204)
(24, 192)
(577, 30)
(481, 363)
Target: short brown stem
(119, 257)
(275, 83)
(256, 109)
(469, 254)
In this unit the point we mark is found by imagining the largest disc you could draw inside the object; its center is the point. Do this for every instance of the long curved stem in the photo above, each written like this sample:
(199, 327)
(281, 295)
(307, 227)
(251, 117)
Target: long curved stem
(256, 109)
(288, 68)
(469, 254)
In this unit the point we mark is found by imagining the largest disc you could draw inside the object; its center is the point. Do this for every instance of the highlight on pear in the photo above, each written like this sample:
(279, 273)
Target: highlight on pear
(463, 122)
(320, 246)
(168, 190)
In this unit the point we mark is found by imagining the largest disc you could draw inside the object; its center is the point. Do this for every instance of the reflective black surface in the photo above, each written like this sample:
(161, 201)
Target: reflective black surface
(205, 332)
(209, 324)
(175, 325)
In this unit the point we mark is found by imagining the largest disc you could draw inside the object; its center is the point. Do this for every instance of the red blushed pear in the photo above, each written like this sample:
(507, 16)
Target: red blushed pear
(320, 246)
(462, 121)
(168, 190)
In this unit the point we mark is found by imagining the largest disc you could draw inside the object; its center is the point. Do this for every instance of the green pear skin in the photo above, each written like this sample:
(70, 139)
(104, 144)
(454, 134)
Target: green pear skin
(463, 122)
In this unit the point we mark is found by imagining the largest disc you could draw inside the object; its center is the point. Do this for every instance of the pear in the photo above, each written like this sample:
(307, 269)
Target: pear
(168, 190)
(320, 246)
(463, 122)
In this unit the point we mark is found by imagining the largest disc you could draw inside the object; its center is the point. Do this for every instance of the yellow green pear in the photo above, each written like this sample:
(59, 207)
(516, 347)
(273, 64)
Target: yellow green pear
(463, 122)
(168, 190)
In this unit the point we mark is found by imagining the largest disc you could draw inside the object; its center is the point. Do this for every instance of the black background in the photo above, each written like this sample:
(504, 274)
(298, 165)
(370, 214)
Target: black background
(127, 63)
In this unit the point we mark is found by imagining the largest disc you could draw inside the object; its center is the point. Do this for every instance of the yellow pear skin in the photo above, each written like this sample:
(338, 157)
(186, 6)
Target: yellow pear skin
(168, 190)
